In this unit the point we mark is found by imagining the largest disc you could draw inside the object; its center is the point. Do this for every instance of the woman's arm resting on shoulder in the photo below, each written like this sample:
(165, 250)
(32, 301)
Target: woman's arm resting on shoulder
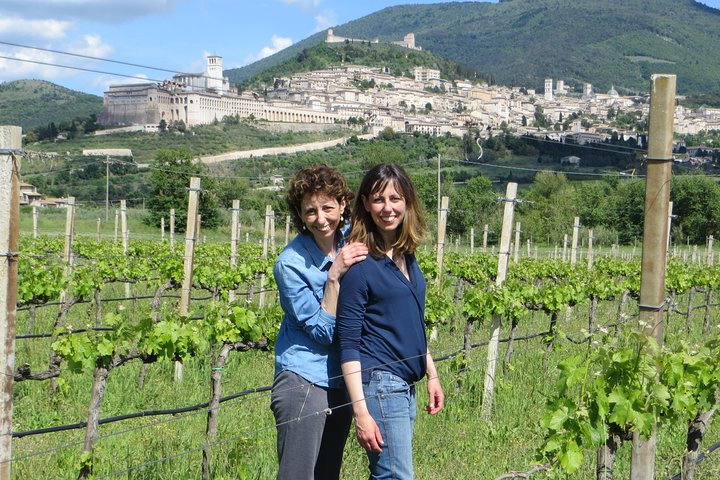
(436, 397)
(347, 256)
(367, 431)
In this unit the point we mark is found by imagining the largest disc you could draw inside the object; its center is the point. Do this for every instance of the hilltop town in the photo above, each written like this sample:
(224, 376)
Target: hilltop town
(372, 99)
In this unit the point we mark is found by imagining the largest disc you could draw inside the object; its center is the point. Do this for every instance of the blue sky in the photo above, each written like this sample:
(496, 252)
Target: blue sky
(169, 34)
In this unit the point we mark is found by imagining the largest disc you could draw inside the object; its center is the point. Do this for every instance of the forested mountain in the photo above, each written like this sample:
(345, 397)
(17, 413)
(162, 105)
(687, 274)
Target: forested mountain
(522, 42)
(35, 103)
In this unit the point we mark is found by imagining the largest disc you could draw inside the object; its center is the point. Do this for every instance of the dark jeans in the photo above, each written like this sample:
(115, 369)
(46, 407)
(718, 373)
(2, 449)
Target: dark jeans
(309, 444)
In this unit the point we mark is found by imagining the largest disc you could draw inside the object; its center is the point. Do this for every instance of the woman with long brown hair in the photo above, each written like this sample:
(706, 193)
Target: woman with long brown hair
(380, 322)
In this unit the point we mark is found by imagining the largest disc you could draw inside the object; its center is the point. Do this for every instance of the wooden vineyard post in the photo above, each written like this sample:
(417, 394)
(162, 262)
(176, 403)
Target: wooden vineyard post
(234, 241)
(69, 236)
(485, 238)
(564, 250)
(442, 226)
(575, 236)
(266, 233)
(198, 225)
(710, 256)
(35, 221)
(124, 229)
(172, 229)
(162, 229)
(503, 257)
(516, 256)
(272, 232)
(287, 229)
(10, 145)
(472, 240)
(590, 258)
(669, 239)
(190, 231)
(97, 229)
(117, 220)
(652, 276)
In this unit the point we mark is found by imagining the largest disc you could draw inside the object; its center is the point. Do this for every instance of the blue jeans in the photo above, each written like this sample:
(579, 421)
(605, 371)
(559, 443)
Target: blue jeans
(391, 402)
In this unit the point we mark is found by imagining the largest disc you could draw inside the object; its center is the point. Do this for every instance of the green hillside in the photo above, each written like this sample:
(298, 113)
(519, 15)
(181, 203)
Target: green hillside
(399, 61)
(36, 103)
(522, 42)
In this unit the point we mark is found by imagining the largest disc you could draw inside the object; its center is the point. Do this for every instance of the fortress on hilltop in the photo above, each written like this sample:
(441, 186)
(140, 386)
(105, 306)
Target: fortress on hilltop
(408, 41)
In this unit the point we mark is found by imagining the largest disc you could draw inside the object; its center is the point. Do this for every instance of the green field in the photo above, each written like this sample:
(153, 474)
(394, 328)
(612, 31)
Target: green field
(455, 444)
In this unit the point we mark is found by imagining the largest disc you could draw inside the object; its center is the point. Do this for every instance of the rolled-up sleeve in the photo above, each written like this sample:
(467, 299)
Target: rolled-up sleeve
(301, 303)
(351, 312)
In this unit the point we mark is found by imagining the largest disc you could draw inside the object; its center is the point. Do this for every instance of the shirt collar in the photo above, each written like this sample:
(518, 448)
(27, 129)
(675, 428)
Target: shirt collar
(318, 258)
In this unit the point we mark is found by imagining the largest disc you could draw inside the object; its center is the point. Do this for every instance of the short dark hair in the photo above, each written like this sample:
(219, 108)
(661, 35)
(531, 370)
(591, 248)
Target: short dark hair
(413, 227)
(317, 178)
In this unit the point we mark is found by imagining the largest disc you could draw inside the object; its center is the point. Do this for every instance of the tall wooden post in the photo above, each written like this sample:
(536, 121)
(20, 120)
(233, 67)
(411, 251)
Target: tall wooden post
(10, 144)
(125, 237)
(162, 229)
(265, 242)
(516, 256)
(172, 229)
(189, 258)
(234, 241)
(287, 229)
(591, 257)
(485, 238)
(117, 220)
(652, 276)
(35, 221)
(710, 257)
(97, 230)
(472, 240)
(442, 227)
(575, 236)
(503, 258)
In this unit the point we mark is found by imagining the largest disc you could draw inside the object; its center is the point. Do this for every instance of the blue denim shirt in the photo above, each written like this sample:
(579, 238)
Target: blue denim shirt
(305, 342)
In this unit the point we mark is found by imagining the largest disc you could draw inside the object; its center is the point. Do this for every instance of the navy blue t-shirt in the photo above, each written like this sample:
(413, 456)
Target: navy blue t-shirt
(380, 318)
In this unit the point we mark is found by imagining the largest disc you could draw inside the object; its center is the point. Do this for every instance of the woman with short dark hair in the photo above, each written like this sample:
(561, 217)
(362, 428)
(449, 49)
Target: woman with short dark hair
(308, 380)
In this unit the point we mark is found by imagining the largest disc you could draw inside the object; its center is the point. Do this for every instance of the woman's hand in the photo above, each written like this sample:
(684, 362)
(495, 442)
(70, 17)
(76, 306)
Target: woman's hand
(368, 433)
(347, 256)
(436, 399)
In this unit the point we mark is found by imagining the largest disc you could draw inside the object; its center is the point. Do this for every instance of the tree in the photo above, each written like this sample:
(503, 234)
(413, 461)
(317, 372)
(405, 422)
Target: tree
(170, 179)
(473, 205)
(387, 134)
(696, 203)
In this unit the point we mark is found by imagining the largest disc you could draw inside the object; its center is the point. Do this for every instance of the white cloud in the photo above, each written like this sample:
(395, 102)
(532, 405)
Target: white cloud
(92, 46)
(278, 43)
(30, 64)
(325, 20)
(47, 29)
(305, 4)
(94, 10)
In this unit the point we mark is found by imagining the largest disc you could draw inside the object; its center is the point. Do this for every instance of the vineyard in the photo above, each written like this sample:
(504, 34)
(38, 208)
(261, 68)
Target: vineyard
(97, 388)
(152, 359)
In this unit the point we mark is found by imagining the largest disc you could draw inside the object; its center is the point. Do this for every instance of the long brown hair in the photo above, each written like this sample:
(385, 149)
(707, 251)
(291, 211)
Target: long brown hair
(317, 178)
(411, 230)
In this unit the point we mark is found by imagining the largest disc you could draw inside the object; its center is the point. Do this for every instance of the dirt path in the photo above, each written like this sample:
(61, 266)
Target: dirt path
(259, 152)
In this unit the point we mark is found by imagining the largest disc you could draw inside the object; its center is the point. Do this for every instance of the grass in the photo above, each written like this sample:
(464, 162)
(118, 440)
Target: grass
(455, 444)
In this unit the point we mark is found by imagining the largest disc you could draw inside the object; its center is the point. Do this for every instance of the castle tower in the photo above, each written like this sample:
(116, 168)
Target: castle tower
(214, 73)
(548, 89)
